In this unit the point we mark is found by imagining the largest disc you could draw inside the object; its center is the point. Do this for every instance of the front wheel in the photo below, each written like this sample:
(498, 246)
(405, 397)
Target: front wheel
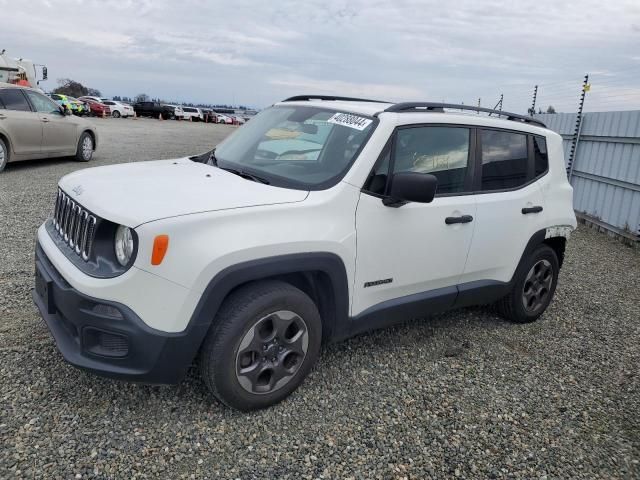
(4, 155)
(535, 283)
(263, 342)
(84, 151)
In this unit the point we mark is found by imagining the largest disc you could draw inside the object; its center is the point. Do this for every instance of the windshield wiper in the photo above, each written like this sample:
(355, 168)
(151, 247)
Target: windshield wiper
(248, 176)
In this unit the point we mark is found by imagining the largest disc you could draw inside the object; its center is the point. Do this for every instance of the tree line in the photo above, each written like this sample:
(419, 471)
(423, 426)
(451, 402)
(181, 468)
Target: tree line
(143, 97)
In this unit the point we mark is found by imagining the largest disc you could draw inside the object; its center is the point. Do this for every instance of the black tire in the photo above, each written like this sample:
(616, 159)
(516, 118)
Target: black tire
(517, 306)
(4, 154)
(115, 114)
(83, 154)
(244, 311)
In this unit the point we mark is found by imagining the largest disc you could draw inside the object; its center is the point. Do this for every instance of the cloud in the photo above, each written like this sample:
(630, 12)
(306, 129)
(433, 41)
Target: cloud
(356, 89)
(257, 52)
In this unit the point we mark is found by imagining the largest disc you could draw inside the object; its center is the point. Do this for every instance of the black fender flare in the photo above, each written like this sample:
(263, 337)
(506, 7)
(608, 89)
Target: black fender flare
(536, 239)
(235, 275)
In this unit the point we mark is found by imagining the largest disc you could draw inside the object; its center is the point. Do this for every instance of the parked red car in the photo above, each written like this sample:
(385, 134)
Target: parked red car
(98, 109)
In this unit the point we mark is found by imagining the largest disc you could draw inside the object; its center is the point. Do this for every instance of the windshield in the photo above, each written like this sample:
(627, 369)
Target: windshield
(296, 147)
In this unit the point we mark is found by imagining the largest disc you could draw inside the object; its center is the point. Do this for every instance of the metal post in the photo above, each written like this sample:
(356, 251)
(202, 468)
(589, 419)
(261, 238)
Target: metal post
(499, 104)
(578, 129)
(532, 110)
(479, 99)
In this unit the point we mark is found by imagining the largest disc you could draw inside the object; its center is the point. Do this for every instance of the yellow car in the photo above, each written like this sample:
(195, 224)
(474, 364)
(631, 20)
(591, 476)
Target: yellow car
(73, 104)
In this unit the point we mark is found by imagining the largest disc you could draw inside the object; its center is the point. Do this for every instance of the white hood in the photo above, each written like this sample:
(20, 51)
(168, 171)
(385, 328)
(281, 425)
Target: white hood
(135, 193)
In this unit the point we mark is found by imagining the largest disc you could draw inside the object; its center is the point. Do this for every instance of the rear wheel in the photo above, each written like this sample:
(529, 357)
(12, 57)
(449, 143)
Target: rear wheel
(4, 155)
(535, 283)
(263, 343)
(84, 151)
(115, 114)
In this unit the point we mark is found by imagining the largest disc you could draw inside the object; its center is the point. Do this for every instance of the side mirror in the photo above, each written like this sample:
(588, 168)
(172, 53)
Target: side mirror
(411, 187)
(65, 110)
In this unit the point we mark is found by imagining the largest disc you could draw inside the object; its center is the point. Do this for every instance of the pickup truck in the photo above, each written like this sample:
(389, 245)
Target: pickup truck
(154, 109)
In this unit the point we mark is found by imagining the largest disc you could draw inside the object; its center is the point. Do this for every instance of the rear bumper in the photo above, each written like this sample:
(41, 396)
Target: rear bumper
(108, 338)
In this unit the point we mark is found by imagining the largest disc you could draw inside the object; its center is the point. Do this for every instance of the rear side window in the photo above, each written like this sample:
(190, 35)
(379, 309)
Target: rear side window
(540, 156)
(504, 160)
(13, 99)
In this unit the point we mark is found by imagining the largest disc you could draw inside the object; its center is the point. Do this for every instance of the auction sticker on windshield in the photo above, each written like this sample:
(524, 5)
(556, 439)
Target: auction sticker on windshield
(351, 121)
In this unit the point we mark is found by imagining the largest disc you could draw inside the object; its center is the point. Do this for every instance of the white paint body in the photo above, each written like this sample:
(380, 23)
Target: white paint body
(123, 109)
(215, 219)
(224, 119)
(192, 113)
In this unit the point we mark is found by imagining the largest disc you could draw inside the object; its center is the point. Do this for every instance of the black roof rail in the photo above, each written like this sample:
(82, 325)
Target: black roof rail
(439, 107)
(298, 98)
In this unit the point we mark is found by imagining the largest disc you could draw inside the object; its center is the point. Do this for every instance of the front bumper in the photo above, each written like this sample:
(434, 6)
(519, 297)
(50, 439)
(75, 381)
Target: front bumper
(108, 338)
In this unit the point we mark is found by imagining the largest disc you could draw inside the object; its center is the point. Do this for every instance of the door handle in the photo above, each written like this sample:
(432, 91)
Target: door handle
(45, 119)
(461, 219)
(536, 209)
(2, 116)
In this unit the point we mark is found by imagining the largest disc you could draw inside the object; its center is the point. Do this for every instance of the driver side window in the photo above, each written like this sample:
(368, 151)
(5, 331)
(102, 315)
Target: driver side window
(440, 151)
(41, 103)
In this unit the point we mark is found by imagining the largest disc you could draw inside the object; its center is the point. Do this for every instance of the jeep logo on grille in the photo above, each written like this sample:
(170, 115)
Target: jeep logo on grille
(78, 190)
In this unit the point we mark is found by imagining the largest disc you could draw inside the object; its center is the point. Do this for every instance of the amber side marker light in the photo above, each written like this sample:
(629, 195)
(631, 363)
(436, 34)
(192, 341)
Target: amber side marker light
(160, 246)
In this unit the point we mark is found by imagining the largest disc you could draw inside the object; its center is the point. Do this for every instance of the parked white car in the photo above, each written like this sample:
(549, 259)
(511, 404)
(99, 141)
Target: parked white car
(178, 112)
(223, 119)
(320, 219)
(193, 113)
(119, 109)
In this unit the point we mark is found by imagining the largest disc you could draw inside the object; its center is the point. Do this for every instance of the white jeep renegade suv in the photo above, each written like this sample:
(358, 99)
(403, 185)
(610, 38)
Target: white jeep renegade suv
(321, 218)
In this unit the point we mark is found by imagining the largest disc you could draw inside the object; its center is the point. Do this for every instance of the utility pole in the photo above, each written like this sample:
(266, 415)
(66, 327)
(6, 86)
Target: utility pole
(532, 110)
(578, 128)
(479, 100)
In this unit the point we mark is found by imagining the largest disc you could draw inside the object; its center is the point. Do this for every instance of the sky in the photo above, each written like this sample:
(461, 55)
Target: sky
(259, 52)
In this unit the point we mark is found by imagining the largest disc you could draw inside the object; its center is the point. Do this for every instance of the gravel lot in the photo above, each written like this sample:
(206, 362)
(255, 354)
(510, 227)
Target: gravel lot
(462, 394)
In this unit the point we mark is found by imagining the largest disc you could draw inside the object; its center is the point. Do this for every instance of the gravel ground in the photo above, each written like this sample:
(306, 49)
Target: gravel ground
(463, 394)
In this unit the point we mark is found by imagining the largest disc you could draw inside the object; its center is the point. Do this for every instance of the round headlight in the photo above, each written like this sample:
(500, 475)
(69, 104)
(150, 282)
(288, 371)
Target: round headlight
(123, 245)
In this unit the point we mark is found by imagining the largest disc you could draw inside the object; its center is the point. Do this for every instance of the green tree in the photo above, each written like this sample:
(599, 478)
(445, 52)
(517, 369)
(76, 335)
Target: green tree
(67, 86)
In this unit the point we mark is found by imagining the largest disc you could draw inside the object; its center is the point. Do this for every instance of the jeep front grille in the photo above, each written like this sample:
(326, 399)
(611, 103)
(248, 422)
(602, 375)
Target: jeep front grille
(75, 225)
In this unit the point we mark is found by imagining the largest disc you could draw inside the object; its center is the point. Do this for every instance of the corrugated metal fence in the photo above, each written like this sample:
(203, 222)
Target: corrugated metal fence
(606, 168)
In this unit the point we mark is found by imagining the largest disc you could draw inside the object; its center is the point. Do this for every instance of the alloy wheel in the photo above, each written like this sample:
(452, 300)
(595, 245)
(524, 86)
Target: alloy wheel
(537, 286)
(271, 352)
(87, 147)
